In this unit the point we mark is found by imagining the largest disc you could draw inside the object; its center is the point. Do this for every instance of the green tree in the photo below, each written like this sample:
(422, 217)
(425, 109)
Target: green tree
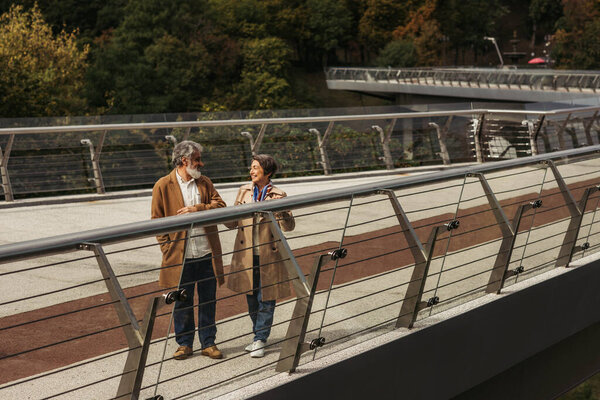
(179, 67)
(424, 31)
(398, 53)
(270, 55)
(584, 391)
(315, 28)
(328, 26)
(42, 73)
(356, 9)
(466, 22)
(544, 14)
(263, 83)
(155, 61)
(577, 41)
(379, 20)
(241, 18)
(90, 17)
(261, 90)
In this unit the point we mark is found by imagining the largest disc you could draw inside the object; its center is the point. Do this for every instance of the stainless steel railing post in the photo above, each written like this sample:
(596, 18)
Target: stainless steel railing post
(423, 254)
(534, 129)
(4, 156)
(95, 157)
(171, 139)
(138, 336)
(384, 138)
(560, 133)
(477, 132)
(577, 211)
(305, 291)
(509, 232)
(322, 142)
(441, 135)
(587, 126)
(255, 144)
(294, 345)
(299, 281)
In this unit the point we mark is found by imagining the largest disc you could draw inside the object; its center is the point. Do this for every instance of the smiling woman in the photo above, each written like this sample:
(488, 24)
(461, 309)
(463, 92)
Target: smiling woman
(263, 167)
(256, 266)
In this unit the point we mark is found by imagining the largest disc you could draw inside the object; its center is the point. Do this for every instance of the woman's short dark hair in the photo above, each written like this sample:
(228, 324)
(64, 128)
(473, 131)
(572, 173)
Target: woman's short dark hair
(268, 164)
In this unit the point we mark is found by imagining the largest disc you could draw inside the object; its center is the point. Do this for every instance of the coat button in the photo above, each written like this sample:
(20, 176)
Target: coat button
(242, 229)
(241, 242)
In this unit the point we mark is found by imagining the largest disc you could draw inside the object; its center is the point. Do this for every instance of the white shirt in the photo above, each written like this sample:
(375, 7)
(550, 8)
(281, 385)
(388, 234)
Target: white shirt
(197, 245)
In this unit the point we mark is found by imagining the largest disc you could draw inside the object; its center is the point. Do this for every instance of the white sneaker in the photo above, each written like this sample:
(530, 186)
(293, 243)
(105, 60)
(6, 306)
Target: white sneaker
(257, 350)
(249, 347)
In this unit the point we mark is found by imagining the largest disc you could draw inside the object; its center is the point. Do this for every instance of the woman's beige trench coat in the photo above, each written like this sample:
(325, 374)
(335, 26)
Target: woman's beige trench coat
(273, 275)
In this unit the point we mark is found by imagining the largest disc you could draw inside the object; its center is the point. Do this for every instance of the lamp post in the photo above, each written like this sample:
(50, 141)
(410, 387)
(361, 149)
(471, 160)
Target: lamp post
(493, 40)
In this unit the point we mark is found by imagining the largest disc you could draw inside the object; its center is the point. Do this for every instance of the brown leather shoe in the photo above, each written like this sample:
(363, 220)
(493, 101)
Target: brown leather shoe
(212, 352)
(183, 352)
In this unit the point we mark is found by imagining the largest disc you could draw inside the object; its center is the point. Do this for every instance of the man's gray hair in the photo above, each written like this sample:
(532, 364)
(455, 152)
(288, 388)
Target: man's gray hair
(184, 149)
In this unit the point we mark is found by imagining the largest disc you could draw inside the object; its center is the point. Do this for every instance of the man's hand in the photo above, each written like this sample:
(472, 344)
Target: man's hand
(186, 210)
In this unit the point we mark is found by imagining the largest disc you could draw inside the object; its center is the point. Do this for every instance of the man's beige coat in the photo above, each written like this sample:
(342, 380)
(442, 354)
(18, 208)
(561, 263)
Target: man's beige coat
(166, 200)
(273, 275)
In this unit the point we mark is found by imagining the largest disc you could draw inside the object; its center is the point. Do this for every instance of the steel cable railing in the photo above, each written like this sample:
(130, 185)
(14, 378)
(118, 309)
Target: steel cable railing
(531, 79)
(351, 145)
(449, 238)
(224, 342)
(355, 298)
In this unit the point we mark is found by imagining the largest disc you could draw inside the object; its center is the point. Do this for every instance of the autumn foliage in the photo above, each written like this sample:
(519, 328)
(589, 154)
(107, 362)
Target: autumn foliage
(42, 73)
(69, 57)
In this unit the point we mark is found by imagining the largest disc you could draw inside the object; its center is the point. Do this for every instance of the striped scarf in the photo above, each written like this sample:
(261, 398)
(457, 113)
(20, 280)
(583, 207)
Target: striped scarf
(260, 195)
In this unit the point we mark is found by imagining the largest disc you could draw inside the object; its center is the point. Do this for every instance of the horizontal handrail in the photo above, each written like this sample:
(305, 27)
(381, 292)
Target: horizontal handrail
(507, 79)
(275, 121)
(115, 234)
(513, 71)
(102, 171)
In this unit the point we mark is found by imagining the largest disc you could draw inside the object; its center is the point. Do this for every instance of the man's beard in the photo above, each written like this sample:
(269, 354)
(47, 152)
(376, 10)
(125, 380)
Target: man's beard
(194, 173)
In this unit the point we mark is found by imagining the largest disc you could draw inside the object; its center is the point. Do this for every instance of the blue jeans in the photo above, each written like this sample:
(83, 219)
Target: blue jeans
(261, 312)
(197, 272)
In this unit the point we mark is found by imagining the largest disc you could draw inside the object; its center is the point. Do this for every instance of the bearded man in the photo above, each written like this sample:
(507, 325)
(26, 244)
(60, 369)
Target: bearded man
(190, 259)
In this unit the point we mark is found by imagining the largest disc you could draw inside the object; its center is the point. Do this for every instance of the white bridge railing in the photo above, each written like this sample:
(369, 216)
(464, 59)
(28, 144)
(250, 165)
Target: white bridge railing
(38, 161)
(516, 79)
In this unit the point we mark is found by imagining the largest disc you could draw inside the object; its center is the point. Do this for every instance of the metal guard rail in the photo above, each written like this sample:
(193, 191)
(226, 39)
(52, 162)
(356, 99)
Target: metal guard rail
(539, 79)
(70, 242)
(276, 121)
(535, 123)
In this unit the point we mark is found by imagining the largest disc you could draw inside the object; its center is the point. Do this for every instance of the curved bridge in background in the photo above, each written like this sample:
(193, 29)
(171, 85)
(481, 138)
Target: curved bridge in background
(523, 85)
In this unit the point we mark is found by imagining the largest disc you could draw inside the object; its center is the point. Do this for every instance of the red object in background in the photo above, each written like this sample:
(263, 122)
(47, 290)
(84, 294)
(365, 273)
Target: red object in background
(537, 60)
